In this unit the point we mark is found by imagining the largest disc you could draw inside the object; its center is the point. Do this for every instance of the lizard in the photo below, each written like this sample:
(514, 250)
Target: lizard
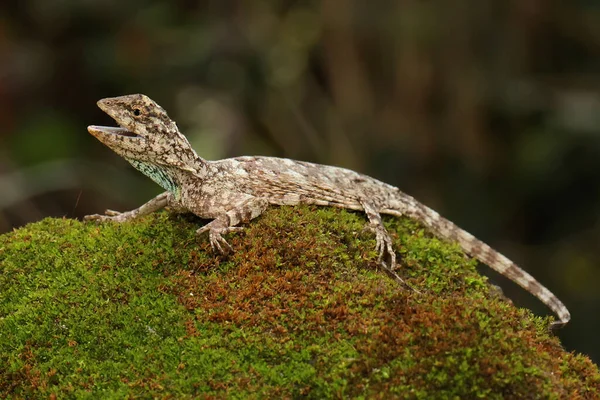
(236, 190)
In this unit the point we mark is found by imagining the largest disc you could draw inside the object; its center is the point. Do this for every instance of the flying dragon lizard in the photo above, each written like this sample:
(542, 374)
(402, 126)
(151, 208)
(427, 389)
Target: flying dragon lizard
(236, 190)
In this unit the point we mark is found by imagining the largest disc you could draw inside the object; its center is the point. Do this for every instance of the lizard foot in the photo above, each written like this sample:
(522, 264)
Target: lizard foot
(217, 242)
(386, 251)
(384, 246)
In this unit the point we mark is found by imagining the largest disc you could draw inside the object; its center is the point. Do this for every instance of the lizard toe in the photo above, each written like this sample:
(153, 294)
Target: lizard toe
(219, 244)
(200, 231)
(232, 229)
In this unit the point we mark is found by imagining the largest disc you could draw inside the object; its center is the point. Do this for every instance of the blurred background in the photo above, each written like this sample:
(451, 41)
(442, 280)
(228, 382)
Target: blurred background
(487, 111)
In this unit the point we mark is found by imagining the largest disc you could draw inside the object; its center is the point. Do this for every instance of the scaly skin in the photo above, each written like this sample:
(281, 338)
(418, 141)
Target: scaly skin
(236, 190)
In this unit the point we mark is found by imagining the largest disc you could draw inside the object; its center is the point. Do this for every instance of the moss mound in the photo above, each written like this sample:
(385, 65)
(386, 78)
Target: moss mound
(299, 310)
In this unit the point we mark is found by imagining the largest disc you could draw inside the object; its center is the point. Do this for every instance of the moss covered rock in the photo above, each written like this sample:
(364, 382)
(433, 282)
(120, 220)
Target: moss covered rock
(301, 309)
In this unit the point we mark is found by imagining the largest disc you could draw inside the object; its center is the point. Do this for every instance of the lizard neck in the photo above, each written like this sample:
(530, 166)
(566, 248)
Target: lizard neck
(170, 177)
(160, 174)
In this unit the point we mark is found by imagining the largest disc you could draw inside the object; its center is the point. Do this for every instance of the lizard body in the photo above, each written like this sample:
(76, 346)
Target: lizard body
(236, 190)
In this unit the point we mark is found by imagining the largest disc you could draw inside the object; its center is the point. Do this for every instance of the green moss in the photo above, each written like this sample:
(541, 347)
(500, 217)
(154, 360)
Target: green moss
(300, 309)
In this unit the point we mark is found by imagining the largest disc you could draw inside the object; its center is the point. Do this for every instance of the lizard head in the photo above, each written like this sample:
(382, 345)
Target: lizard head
(148, 139)
(145, 132)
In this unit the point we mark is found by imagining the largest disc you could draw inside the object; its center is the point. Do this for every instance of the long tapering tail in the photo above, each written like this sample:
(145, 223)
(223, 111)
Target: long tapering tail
(484, 253)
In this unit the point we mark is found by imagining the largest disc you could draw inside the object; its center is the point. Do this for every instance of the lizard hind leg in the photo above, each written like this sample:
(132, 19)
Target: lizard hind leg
(387, 255)
(384, 245)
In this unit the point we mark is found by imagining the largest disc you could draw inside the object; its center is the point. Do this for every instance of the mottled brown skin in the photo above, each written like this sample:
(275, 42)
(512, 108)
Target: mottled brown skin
(236, 190)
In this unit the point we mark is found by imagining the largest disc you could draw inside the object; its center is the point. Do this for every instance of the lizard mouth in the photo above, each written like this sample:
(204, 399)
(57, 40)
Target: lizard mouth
(111, 130)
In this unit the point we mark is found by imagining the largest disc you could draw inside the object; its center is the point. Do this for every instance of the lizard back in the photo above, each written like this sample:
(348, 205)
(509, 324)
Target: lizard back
(288, 182)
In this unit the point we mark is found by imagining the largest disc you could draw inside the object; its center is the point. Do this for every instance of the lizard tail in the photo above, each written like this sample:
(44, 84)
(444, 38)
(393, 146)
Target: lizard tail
(485, 254)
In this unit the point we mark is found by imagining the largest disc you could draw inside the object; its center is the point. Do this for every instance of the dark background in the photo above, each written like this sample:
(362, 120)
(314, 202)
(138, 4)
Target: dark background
(487, 111)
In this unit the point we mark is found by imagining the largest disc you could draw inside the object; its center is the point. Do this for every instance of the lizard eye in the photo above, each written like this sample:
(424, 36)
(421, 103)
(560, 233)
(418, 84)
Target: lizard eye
(137, 112)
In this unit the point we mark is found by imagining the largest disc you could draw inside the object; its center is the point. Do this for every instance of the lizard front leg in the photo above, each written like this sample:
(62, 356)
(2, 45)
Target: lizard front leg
(243, 211)
(161, 201)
